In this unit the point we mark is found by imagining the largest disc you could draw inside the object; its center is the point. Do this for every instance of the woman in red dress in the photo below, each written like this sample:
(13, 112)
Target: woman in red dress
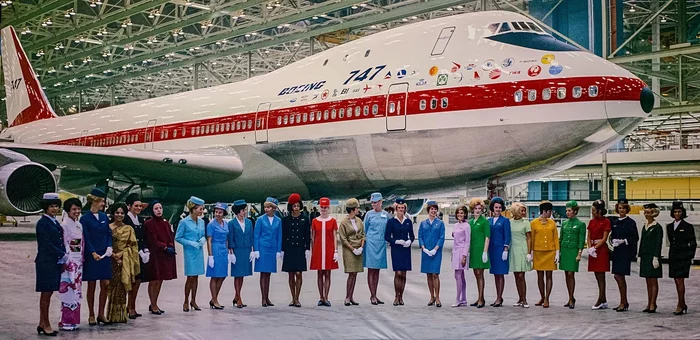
(598, 258)
(162, 247)
(324, 255)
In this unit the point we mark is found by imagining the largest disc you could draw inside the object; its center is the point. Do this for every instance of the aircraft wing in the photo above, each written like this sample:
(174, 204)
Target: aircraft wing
(179, 168)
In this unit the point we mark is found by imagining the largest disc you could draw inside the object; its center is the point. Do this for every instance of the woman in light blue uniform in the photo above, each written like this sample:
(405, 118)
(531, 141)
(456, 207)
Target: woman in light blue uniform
(217, 246)
(499, 243)
(267, 247)
(375, 245)
(431, 237)
(190, 233)
(240, 230)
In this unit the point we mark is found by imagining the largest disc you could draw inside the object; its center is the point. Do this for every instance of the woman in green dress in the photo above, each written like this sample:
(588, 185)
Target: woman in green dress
(572, 241)
(650, 253)
(520, 247)
(479, 244)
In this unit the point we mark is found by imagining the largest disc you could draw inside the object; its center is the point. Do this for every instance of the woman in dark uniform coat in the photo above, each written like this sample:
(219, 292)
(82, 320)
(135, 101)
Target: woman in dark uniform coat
(161, 242)
(624, 236)
(133, 219)
(681, 237)
(296, 235)
(98, 252)
(399, 234)
(650, 254)
(49, 261)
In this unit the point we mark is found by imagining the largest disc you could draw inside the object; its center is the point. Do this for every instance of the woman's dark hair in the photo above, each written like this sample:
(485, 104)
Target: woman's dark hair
(600, 206)
(349, 210)
(69, 203)
(114, 207)
(464, 209)
(237, 208)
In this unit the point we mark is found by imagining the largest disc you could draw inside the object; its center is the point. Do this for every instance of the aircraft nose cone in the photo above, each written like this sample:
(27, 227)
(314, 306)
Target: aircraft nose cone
(646, 99)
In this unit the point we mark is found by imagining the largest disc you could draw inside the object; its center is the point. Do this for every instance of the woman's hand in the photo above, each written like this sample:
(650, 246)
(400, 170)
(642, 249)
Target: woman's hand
(95, 256)
(464, 261)
(578, 257)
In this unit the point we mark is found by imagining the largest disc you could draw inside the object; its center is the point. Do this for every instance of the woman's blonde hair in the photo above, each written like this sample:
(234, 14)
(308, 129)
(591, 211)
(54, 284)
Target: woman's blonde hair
(92, 199)
(654, 212)
(476, 201)
(515, 209)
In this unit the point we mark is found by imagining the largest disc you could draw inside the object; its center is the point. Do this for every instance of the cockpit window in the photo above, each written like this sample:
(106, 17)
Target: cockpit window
(534, 27)
(493, 28)
(517, 26)
(504, 28)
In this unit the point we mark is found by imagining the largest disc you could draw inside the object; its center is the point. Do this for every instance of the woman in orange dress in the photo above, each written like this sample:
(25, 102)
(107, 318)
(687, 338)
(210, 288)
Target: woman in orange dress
(324, 254)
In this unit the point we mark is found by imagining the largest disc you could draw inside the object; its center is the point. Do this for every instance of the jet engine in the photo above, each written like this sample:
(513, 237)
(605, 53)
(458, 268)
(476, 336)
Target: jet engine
(22, 184)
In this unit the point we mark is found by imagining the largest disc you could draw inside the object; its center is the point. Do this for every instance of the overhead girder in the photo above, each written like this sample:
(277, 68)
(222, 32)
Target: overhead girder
(38, 12)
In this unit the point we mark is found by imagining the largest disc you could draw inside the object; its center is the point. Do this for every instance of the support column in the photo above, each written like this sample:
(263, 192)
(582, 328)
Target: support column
(605, 186)
(111, 96)
(604, 28)
(195, 82)
(656, 46)
(311, 43)
(682, 38)
(250, 65)
(80, 101)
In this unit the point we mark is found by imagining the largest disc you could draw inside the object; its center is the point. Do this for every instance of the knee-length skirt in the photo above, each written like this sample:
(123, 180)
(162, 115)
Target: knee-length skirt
(352, 263)
(220, 253)
(48, 276)
(431, 264)
(646, 267)
(294, 260)
(544, 260)
(567, 260)
(679, 268)
(498, 266)
(97, 270)
(267, 263)
(243, 266)
(400, 258)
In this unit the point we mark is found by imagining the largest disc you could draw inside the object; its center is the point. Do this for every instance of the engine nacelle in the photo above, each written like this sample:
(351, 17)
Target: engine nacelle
(22, 184)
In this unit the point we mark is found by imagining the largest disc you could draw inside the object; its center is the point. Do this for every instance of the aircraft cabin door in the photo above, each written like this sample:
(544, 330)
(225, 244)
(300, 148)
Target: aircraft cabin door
(83, 138)
(261, 120)
(396, 102)
(149, 134)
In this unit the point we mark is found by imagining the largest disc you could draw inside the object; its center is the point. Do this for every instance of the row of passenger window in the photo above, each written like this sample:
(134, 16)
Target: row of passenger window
(434, 103)
(109, 141)
(576, 92)
(215, 128)
(326, 115)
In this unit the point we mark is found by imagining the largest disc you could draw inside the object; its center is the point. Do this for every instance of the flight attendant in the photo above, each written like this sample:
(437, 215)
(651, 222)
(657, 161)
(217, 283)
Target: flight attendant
(352, 236)
(219, 252)
(478, 246)
(267, 246)
(399, 235)
(545, 246)
(70, 292)
(324, 257)
(241, 241)
(375, 245)
(460, 253)
(681, 237)
(598, 259)
(624, 237)
(133, 202)
(296, 245)
(431, 238)
(499, 244)
(50, 258)
(572, 241)
(125, 264)
(650, 254)
(161, 243)
(520, 250)
(190, 234)
(98, 249)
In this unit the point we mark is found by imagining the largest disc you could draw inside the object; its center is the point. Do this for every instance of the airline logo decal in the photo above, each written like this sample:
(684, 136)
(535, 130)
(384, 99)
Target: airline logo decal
(442, 79)
(534, 71)
(388, 75)
(433, 71)
(421, 82)
(512, 73)
(400, 73)
(508, 62)
(459, 77)
(555, 69)
(476, 75)
(344, 91)
(547, 59)
(471, 67)
(367, 88)
(488, 65)
(456, 67)
(324, 95)
(495, 74)
(302, 88)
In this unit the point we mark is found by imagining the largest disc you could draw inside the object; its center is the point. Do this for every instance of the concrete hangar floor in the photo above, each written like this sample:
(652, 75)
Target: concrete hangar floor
(19, 309)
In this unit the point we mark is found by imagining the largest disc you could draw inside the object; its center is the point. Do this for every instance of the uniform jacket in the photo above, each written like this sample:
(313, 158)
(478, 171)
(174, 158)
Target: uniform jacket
(96, 233)
(573, 234)
(544, 236)
(348, 235)
(625, 229)
(398, 230)
(268, 237)
(49, 235)
(500, 233)
(652, 240)
(682, 241)
(139, 230)
(431, 234)
(239, 238)
(296, 232)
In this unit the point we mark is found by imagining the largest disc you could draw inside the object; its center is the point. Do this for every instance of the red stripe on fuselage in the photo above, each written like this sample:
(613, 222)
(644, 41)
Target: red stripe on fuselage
(464, 98)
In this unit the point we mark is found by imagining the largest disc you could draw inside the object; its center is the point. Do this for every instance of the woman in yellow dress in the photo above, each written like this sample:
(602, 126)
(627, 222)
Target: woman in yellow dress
(545, 246)
(125, 264)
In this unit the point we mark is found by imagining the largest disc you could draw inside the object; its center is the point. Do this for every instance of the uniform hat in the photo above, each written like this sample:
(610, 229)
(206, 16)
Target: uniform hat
(293, 198)
(133, 197)
(376, 197)
(400, 201)
(651, 206)
(678, 205)
(572, 204)
(50, 196)
(324, 202)
(431, 202)
(222, 206)
(499, 201)
(97, 192)
(623, 201)
(272, 200)
(196, 200)
(49, 199)
(352, 203)
(238, 203)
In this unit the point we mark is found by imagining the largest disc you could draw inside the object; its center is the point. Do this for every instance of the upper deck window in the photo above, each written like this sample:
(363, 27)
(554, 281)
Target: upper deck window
(534, 27)
(515, 25)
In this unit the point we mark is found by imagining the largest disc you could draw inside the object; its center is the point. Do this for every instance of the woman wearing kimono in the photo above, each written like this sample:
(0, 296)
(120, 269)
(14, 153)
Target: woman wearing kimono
(499, 244)
(97, 237)
(352, 236)
(125, 266)
(49, 260)
(70, 290)
(545, 247)
(650, 254)
(478, 246)
(431, 237)
(161, 244)
(375, 245)
(190, 234)
(241, 242)
(572, 241)
(296, 243)
(624, 237)
(460, 253)
(399, 235)
(598, 260)
(520, 249)
(324, 256)
(681, 251)
(219, 254)
(267, 246)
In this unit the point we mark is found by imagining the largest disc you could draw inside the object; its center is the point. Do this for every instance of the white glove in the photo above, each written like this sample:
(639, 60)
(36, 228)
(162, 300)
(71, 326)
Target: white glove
(616, 242)
(251, 257)
(108, 252)
(202, 241)
(484, 257)
(232, 258)
(146, 257)
(504, 255)
(427, 252)
(335, 257)
(592, 253)
(360, 250)
(529, 257)
(280, 255)
(399, 242)
(407, 243)
(356, 251)
(211, 261)
(655, 262)
(639, 260)
(307, 254)
(556, 257)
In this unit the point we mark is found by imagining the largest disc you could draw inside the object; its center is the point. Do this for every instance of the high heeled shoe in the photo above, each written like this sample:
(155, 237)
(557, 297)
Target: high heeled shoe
(623, 309)
(684, 310)
(431, 302)
(91, 321)
(352, 302)
(150, 309)
(102, 320)
(213, 306)
(185, 307)
(195, 306)
(41, 331)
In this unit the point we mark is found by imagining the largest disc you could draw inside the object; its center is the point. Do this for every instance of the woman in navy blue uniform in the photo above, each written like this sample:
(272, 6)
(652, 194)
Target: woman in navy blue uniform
(624, 237)
(499, 244)
(399, 234)
(681, 251)
(241, 242)
(296, 245)
(49, 261)
(98, 252)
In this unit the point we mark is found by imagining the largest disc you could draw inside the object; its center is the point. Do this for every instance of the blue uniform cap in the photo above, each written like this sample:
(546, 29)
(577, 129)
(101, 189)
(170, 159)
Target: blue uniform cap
(431, 203)
(499, 201)
(196, 200)
(238, 203)
(376, 197)
(272, 200)
(50, 196)
(222, 206)
(400, 201)
(98, 192)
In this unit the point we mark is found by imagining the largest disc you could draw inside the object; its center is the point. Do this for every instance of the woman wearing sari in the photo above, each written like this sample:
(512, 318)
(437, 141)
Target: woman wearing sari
(125, 266)
(70, 291)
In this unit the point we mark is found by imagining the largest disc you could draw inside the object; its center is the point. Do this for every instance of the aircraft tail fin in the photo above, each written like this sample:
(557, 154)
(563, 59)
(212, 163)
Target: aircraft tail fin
(25, 100)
